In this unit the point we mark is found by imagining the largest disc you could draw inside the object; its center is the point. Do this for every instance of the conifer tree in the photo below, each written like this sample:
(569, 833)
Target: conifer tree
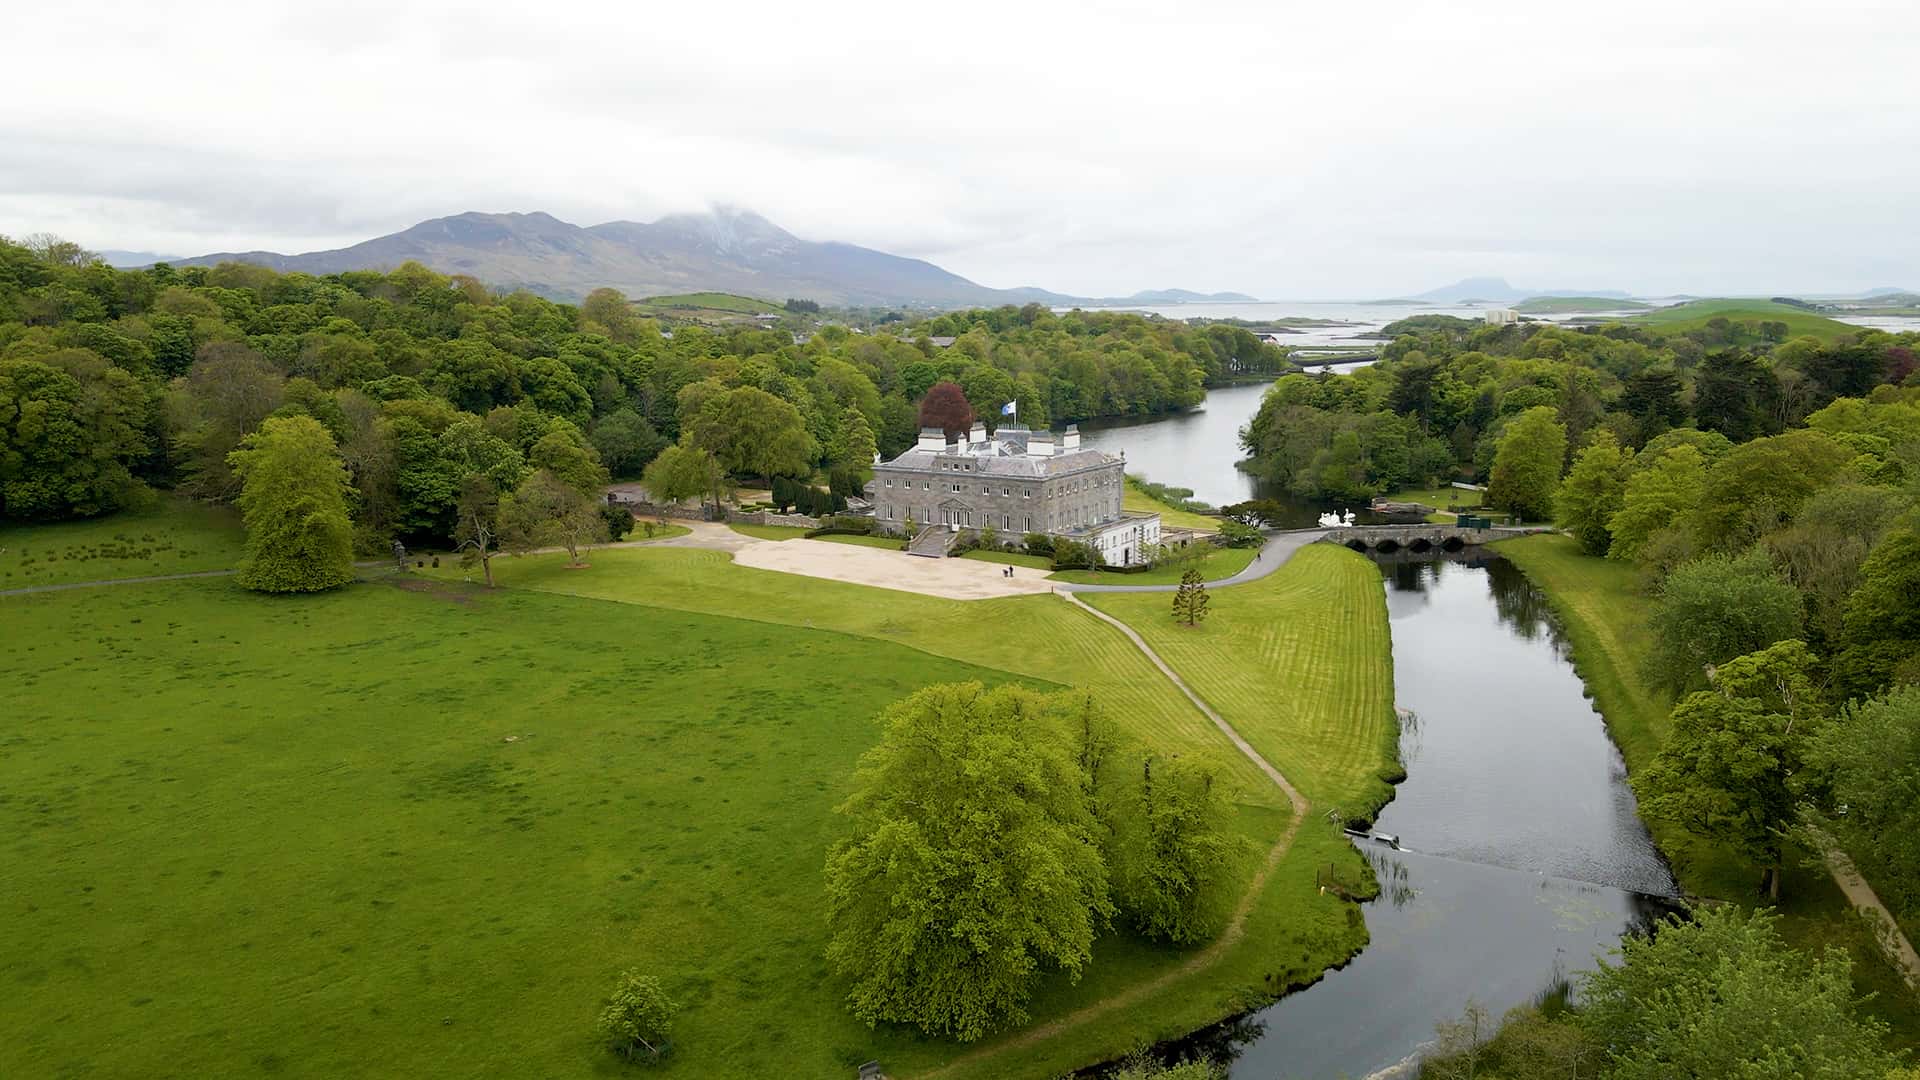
(1190, 600)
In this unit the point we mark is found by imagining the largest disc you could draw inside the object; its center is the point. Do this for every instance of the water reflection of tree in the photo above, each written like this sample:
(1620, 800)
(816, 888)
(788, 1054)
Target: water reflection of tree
(1519, 604)
(1219, 1045)
(1396, 881)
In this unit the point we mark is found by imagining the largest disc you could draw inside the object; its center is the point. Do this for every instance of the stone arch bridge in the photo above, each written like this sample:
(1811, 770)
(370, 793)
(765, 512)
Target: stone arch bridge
(1422, 538)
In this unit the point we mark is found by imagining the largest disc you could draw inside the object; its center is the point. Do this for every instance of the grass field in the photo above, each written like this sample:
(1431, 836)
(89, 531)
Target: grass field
(1312, 691)
(731, 303)
(1223, 563)
(415, 828)
(887, 543)
(1010, 558)
(769, 532)
(292, 835)
(174, 536)
(1293, 931)
(1694, 315)
(1573, 305)
(1135, 500)
(1603, 615)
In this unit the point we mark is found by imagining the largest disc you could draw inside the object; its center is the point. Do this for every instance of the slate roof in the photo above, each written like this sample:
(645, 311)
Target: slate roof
(997, 458)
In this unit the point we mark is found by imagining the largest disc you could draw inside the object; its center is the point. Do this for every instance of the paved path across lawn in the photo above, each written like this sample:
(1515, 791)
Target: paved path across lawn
(954, 579)
(1236, 927)
(1279, 547)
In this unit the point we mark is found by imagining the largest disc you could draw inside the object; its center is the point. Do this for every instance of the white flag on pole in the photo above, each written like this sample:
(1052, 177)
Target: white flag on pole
(1009, 408)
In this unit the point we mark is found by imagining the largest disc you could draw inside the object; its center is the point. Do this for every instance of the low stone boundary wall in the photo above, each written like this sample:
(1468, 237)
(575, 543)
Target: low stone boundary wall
(769, 517)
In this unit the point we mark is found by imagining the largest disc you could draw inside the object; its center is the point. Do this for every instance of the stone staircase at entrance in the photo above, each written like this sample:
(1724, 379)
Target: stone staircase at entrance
(932, 542)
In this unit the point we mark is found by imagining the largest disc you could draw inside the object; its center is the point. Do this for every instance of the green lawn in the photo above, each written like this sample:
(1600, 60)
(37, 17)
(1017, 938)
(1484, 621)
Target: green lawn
(1137, 501)
(1293, 931)
(1446, 501)
(416, 833)
(1010, 558)
(1223, 563)
(416, 830)
(660, 532)
(174, 536)
(769, 532)
(1294, 661)
(888, 543)
(1693, 315)
(1603, 615)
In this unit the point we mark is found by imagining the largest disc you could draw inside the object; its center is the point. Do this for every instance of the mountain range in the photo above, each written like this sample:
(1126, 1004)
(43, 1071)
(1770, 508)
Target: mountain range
(723, 250)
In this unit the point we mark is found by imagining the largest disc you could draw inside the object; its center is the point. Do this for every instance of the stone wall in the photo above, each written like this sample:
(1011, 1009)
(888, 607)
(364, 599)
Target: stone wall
(769, 517)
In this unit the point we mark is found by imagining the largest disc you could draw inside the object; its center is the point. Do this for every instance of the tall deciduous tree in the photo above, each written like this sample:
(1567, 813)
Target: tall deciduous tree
(567, 454)
(1714, 609)
(1868, 761)
(1526, 467)
(1171, 852)
(1727, 770)
(682, 472)
(476, 530)
(973, 866)
(1759, 486)
(1654, 498)
(546, 511)
(1880, 630)
(70, 424)
(1721, 995)
(751, 431)
(1592, 493)
(293, 499)
(857, 447)
(945, 407)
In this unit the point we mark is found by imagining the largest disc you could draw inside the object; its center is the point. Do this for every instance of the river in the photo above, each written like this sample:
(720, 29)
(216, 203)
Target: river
(1524, 855)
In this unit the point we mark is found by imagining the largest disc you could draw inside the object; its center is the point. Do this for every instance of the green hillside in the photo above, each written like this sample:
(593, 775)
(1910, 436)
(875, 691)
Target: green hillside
(1695, 315)
(1573, 305)
(687, 303)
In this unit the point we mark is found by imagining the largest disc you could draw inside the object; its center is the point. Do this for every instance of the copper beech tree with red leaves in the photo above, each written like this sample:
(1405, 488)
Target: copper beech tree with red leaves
(945, 407)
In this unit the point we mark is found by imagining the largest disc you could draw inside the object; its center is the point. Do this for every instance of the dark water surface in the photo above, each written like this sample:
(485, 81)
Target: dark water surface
(1524, 855)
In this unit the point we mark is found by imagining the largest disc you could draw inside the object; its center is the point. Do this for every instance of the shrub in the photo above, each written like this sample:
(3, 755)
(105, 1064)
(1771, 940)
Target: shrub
(638, 1018)
(1039, 544)
(619, 520)
(1235, 535)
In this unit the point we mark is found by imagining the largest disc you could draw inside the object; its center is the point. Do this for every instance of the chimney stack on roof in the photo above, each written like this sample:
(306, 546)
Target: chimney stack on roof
(1071, 440)
(1040, 444)
(932, 438)
(978, 434)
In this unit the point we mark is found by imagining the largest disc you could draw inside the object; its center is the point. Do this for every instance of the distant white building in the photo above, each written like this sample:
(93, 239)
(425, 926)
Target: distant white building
(1501, 316)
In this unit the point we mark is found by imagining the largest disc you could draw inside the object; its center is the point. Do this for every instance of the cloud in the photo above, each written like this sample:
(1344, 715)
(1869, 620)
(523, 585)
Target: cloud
(1284, 149)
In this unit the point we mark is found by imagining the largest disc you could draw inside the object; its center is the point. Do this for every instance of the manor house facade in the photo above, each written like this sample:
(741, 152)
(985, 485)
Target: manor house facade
(1018, 481)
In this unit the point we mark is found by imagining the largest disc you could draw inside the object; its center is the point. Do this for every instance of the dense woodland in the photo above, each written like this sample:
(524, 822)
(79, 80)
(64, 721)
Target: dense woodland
(1447, 389)
(1767, 489)
(117, 382)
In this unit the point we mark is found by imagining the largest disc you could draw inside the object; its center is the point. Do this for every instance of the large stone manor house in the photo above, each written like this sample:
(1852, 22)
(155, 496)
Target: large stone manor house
(1017, 481)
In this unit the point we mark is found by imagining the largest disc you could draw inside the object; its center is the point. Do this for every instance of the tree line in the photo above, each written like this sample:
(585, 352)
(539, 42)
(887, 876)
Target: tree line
(115, 382)
(1447, 390)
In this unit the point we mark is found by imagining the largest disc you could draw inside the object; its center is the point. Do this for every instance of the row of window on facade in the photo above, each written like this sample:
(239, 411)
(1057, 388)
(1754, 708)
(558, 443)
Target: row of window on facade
(987, 489)
(965, 517)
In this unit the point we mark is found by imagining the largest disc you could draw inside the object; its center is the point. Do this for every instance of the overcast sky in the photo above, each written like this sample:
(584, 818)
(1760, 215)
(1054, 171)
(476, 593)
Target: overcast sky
(1293, 150)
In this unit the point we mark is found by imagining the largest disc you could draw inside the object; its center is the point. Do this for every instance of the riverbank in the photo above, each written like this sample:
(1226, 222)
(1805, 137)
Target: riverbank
(1602, 613)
